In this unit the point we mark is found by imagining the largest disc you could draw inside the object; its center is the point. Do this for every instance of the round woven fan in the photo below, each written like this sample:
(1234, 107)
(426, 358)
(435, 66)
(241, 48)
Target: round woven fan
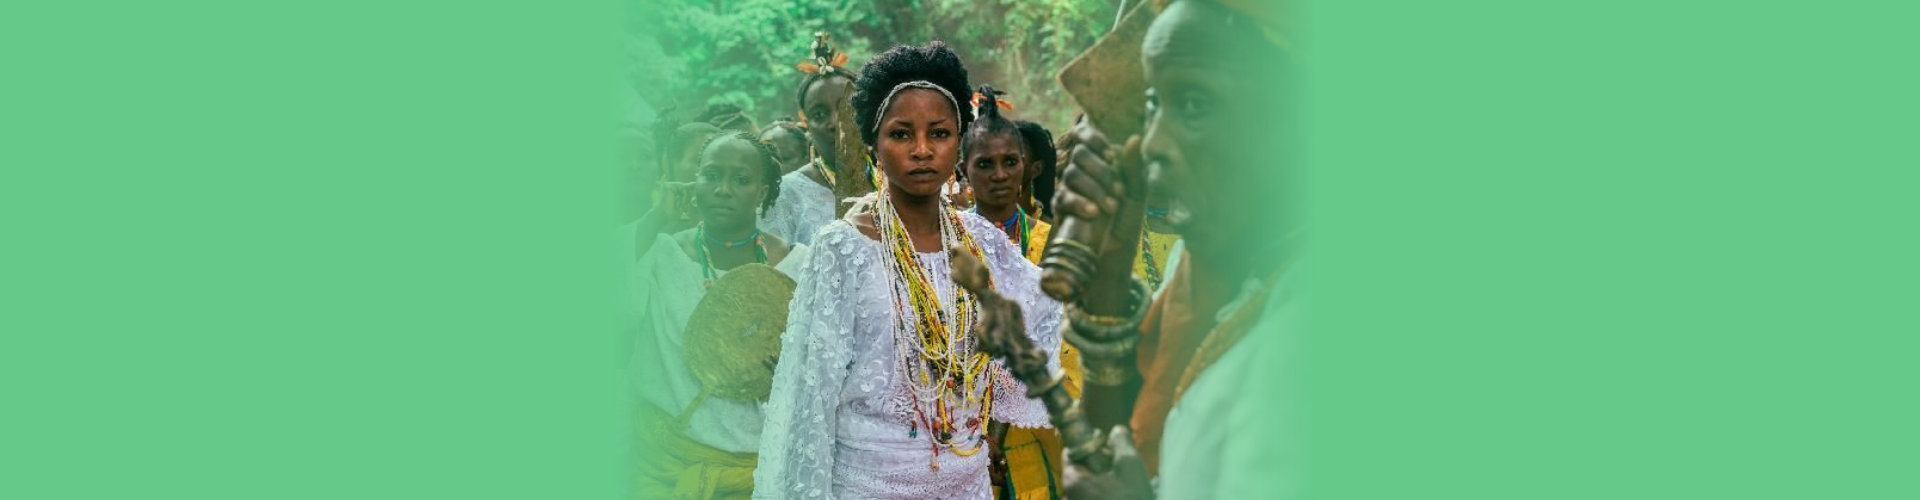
(733, 337)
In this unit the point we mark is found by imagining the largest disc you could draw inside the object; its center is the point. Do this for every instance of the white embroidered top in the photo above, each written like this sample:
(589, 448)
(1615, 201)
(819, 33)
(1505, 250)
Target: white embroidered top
(802, 208)
(1222, 441)
(667, 286)
(838, 424)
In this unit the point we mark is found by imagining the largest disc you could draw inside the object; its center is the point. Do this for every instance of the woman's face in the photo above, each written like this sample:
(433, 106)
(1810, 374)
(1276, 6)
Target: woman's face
(996, 169)
(822, 97)
(918, 143)
(730, 184)
(789, 148)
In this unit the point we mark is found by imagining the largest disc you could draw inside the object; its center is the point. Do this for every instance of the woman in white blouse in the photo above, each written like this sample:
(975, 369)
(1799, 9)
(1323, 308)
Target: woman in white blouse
(879, 391)
(683, 425)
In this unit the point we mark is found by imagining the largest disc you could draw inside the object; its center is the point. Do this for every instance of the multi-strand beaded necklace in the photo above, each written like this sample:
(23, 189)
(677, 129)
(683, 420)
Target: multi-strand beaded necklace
(947, 378)
(820, 165)
(706, 258)
(1019, 227)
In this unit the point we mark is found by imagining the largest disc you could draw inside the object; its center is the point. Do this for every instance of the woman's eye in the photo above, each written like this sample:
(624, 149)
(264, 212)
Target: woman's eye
(940, 133)
(898, 135)
(983, 164)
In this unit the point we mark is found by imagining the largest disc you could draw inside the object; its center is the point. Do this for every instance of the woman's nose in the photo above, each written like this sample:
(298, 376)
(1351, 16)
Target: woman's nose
(922, 150)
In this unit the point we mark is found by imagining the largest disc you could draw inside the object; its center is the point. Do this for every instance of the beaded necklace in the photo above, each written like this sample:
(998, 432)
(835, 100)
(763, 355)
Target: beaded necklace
(706, 258)
(947, 378)
(1019, 227)
(820, 166)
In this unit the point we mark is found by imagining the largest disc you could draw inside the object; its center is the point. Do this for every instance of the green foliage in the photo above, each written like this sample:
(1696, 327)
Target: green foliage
(693, 53)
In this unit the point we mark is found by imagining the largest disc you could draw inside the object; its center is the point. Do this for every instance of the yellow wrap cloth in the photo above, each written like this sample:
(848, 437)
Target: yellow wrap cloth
(673, 466)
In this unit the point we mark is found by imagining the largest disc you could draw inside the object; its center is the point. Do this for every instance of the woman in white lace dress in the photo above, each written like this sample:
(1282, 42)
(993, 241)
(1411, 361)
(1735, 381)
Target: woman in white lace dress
(879, 392)
(735, 176)
(806, 194)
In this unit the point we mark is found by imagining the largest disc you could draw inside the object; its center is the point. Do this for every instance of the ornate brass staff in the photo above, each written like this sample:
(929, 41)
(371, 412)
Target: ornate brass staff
(1002, 333)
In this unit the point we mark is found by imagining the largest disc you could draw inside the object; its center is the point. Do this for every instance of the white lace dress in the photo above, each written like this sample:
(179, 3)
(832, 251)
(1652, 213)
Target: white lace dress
(838, 423)
(802, 208)
(666, 286)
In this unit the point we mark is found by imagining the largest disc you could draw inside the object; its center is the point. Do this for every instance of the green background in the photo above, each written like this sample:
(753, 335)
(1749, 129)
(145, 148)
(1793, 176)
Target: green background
(360, 250)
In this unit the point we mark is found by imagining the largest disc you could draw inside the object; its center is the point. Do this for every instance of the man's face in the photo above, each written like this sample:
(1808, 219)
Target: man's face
(1208, 141)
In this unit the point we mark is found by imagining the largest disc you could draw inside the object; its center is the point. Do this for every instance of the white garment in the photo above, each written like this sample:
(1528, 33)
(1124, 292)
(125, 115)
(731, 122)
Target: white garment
(804, 206)
(1224, 438)
(838, 422)
(667, 285)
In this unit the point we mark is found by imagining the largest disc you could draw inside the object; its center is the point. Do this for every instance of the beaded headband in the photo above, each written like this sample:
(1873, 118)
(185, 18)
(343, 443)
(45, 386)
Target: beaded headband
(918, 84)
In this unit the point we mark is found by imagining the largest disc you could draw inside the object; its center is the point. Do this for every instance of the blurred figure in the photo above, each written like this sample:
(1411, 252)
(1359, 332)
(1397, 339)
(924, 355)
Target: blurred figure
(680, 153)
(789, 140)
(1215, 71)
(809, 201)
(699, 425)
(726, 116)
(1042, 172)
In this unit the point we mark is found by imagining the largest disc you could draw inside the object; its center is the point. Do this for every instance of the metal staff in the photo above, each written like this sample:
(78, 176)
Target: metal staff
(1002, 333)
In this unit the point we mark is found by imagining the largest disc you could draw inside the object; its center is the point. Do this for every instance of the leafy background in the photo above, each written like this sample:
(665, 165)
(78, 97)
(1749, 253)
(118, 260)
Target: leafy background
(691, 53)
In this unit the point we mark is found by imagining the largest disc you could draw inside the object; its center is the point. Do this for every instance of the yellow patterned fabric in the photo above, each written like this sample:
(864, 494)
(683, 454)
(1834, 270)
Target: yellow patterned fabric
(1038, 239)
(673, 466)
(1034, 458)
(1033, 463)
(1158, 245)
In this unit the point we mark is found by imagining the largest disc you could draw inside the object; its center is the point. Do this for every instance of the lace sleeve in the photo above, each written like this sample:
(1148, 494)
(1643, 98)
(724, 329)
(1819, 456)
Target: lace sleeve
(797, 440)
(1019, 280)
